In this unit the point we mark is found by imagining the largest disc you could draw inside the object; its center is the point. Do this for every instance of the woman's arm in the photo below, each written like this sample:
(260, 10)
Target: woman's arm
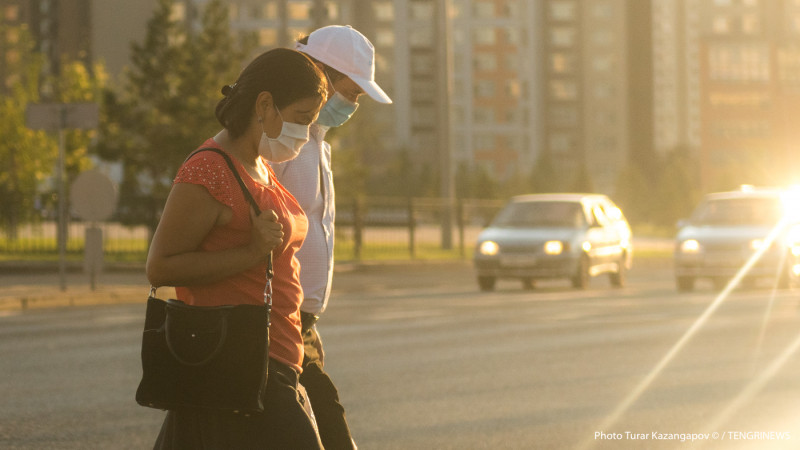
(189, 215)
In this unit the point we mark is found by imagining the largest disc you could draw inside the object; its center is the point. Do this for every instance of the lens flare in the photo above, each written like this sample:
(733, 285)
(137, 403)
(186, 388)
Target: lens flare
(643, 385)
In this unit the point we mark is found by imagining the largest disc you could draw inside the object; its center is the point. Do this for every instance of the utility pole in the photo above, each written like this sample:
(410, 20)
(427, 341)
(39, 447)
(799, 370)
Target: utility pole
(444, 91)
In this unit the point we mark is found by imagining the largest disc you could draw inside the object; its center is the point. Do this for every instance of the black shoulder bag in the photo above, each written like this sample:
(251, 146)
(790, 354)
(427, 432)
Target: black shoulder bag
(207, 357)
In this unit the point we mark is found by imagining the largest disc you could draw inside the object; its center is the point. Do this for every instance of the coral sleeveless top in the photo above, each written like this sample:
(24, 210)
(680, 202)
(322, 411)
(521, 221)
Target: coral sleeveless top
(210, 170)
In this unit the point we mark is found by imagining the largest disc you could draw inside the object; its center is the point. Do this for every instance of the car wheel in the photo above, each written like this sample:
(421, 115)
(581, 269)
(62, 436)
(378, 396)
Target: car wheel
(619, 277)
(581, 278)
(528, 284)
(685, 284)
(486, 283)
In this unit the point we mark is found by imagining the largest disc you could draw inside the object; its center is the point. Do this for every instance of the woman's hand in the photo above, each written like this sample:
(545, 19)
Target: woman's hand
(267, 232)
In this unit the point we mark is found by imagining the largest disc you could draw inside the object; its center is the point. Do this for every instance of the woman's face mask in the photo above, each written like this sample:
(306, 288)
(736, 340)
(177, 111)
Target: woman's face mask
(287, 145)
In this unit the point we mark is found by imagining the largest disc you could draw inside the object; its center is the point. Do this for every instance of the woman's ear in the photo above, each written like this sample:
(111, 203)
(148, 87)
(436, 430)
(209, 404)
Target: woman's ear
(264, 105)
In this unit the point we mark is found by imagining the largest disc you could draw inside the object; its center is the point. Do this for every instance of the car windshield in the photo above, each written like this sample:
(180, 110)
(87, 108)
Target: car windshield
(541, 214)
(739, 211)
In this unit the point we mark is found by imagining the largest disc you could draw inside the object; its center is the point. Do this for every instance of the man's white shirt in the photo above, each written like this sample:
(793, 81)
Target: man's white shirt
(310, 180)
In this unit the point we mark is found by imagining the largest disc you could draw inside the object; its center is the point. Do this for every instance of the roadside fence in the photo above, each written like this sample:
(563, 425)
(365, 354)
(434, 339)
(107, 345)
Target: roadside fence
(368, 228)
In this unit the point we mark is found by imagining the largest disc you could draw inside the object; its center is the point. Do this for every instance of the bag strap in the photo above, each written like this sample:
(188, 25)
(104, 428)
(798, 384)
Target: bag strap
(249, 197)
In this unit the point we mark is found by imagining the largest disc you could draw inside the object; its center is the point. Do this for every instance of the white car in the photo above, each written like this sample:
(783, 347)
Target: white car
(728, 228)
(538, 236)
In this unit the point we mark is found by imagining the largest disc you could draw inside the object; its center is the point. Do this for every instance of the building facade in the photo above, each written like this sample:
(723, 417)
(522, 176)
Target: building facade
(727, 87)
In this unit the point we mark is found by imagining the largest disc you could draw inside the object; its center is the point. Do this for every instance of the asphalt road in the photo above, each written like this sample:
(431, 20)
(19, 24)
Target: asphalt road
(425, 361)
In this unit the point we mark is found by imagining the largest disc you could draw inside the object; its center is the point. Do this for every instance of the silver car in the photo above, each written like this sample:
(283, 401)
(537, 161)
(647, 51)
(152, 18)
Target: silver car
(539, 236)
(727, 229)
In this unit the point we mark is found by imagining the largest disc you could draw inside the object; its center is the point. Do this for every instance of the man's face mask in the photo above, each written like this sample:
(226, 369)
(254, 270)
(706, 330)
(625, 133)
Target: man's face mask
(337, 110)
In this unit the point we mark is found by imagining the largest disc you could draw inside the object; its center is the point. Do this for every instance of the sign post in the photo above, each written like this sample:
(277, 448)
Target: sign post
(94, 198)
(59, 117)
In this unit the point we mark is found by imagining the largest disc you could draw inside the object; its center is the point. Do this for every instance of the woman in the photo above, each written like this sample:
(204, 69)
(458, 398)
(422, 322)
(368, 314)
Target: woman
(211, 245)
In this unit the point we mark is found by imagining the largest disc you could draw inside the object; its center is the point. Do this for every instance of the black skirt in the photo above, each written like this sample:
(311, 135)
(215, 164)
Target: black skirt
(284, 424)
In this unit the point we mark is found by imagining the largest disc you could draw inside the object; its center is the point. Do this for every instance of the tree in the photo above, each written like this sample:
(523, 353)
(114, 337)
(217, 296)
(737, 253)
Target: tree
(635, 194)
(165, 108)
(678, 188)
(544, 177)
(30, 155)
(582, 180)
(27, 156)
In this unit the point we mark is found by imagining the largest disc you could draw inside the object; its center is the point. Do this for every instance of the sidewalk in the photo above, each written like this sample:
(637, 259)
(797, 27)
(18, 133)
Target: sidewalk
(25, 288)
(36, 285)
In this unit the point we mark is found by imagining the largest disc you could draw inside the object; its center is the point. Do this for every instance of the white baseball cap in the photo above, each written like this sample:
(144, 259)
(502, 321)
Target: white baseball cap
(349, 52)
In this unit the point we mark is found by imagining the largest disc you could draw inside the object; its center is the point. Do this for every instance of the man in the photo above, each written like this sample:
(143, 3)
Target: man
(348, 60)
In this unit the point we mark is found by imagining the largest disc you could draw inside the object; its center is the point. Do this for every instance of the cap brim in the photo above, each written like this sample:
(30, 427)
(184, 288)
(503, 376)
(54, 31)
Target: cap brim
(372, 89)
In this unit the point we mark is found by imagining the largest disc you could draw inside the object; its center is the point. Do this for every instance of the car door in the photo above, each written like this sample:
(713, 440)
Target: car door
(605, 238)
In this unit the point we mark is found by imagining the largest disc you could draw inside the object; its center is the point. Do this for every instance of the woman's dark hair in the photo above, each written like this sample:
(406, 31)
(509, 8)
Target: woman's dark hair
(287, 74)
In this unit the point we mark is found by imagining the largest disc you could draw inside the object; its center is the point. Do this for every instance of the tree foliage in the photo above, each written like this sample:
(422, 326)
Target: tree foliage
(29, 156)
(165, 107)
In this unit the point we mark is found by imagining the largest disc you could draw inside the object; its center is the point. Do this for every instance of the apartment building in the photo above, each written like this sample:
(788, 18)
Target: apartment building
(728, 87)
(60, 30)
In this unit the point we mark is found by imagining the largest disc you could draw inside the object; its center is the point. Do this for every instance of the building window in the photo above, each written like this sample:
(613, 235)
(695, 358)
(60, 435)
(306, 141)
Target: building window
(424, 115)
(11, 13)
(299, 10)
(562, 37)
(422, 64)
(484, 36)
(563, 10)
(267, 37)
(560, 143)
(602, 63)
(512, 62)
(562, 63)
(483, 114)
(483, 10)
(563, 90)
(513, 88)
(485, 88)
(603, 10)
(422, 11)
(483, 141)
(269, 11)
(384, 11)
(739, 63)
(511, 35)
(485, 62)
(384, 38)
(751, 24)
(12, 35)
(602, 37)
(332, 9)
(721, 25)
(563, 116)
(421, 36)
(178, 12)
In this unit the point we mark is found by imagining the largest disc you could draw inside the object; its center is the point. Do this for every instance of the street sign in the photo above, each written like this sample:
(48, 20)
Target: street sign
(93, 196)
(56, 116)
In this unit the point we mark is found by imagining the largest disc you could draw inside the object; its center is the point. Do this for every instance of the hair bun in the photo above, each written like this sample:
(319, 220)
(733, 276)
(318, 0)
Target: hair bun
(227, 90)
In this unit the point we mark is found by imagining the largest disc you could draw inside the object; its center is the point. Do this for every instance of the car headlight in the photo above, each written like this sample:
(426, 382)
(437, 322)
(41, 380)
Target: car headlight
(690, 246)
(553, 247)
(489, 248)
(757, 244)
